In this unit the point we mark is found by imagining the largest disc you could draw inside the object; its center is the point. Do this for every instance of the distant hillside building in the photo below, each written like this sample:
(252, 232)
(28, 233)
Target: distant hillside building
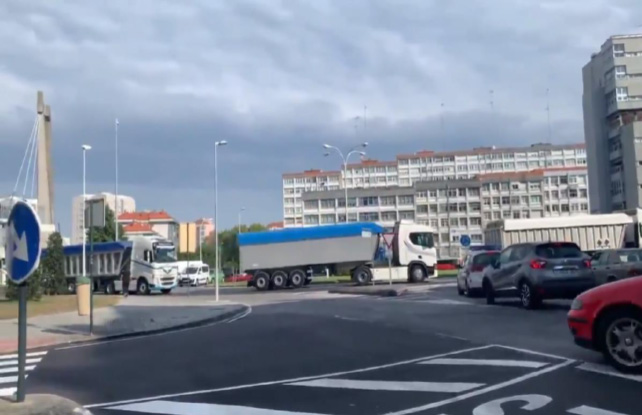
(160, 222)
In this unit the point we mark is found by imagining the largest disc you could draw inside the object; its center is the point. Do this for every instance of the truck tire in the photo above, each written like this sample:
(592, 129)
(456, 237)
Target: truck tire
(362, 275)
(279, 279)
(261, 281)
(417, 273)
(109, 288)
(297, 278)
(142, 287)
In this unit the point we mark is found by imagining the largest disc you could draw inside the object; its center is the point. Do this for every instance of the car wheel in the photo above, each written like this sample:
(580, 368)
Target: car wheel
(261, 281)
(362, 275)
(528, 297)
(460, 290)
(279, 278)
(297, 278)
(620, 334)
(489, 292)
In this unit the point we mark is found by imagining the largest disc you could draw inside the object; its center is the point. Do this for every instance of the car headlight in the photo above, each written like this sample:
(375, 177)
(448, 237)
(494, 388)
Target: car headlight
(577, 304)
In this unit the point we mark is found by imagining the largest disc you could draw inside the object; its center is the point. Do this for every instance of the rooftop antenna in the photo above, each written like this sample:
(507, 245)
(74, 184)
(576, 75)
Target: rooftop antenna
(548, 116)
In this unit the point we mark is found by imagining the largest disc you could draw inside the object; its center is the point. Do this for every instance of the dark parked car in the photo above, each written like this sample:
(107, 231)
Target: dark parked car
(616, 264)
(538, 271)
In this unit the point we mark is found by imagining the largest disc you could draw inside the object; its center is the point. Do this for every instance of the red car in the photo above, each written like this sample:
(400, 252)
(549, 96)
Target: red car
(608, 319)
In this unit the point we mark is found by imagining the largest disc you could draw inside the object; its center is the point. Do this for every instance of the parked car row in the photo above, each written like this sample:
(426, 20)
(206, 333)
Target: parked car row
(606, 313)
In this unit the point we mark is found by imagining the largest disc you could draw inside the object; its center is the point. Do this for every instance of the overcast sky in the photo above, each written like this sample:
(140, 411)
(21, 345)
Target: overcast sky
(276, 79)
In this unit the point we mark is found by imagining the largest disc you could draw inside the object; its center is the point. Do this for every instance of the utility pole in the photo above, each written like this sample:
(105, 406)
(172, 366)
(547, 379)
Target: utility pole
(116, 166)
(548, 117)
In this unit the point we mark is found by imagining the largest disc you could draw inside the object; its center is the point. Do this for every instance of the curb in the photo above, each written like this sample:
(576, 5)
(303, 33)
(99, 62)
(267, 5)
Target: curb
(382, 292)
(193, 324)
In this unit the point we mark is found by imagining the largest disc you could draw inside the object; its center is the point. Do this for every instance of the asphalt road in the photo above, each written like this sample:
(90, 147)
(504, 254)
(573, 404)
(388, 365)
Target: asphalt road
(313, 353)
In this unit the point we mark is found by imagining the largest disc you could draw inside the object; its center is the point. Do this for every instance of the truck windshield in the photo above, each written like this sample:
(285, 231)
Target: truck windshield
(165, 255)
(423, 239)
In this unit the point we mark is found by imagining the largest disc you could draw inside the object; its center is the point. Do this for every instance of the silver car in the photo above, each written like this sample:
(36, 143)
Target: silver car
(616, 264)
(538, 271)
(470, 275)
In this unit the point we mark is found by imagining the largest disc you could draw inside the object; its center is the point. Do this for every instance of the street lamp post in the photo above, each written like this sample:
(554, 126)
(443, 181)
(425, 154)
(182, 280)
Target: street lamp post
(217, 144)
(85, 149)
(344, 159)
(238, 242)
(116, 168)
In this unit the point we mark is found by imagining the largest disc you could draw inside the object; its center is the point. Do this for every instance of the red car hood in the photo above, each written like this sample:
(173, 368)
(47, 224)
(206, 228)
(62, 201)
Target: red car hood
(623, 288)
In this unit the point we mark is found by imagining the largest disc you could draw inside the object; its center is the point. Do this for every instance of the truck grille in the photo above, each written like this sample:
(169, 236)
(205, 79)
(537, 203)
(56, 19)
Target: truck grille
(167, 280)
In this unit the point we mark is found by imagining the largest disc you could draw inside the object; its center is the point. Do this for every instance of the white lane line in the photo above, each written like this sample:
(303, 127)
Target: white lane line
(482, 391)
(15, 369)
(607, 370)
(527, 351)
(8, 379)
(146, 336)
(15, 356)
(589, 410)
(14, 362)
(249, 310)
(293, 380)
(4, 392)
(192, 408)
(485, 362)
(383, 385)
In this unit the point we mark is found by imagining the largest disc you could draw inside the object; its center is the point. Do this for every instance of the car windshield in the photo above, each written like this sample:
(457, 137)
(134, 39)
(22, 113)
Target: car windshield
(485, 258)
(558, 250)
(191, 270)
(165, 255)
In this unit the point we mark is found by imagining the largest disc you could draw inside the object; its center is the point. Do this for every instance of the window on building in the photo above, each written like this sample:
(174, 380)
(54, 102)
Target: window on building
(444, 222)
(434, 223)
(311, 219)
(487, 215)
(406, 200)
(475, 206)
(497, 215)
(505, 200)
(461, 192)
(494, 187)
(328, 218)
(473, 191)
(514, 200)
(452, 193)
(452, 207)
(407, 214)
(524, 200)
(311, 204)
(506, 214)
(475, 221)
(572, 193)
(389, 216)
(422, 209)
(505, 186)
(515, 186)
(555, 208)
(422, 194)
(564, 193)
(536, 200)
(433, 193)
(486, 187)
(387, 200)
(584, 207)
(622, 93)
(486, 201)
(454, 222)
(369, 201)
(368, 216)
(517, 214)
(496, 200)
(463, 222)
(583, 193)
(433, 209)
(534, 186)
(462, 207)
(328, 203)
(565, 207)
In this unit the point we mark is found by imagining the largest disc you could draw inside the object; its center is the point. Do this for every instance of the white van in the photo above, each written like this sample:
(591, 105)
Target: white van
(194, 273)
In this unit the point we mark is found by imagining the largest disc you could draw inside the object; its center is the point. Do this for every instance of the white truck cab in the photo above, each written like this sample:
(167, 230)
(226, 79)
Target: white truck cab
(153, 266)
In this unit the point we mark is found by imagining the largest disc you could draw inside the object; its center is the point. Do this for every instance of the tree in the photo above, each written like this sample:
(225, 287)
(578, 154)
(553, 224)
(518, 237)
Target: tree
(107, 233)
(34, 286)
(53, 266)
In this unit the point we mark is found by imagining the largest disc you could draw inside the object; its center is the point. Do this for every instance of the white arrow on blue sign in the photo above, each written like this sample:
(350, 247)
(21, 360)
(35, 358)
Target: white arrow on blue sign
(23, 242)
(464, 240)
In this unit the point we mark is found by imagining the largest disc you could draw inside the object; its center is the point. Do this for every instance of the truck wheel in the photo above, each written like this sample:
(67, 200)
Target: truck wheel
(109, 288)
(142, 287)
(362, 275)
(279, 278)
(297, 278)
(417, 273)
(261, 281)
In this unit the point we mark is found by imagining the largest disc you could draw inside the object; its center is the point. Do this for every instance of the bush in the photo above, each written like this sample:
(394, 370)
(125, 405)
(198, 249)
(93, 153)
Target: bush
(53, 267)
(34, 284)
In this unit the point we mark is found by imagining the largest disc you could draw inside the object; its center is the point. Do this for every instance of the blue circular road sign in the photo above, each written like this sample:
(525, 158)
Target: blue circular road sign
(23, 242)
(464, 240)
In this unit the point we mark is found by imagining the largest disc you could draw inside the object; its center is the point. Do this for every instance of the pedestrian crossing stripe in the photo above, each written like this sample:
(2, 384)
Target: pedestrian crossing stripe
(195, 408)
(382, 385)
(9, 370)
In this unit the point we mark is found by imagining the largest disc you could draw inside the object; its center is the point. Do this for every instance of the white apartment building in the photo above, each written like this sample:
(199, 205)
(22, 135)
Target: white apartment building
(457, 207)
(125, 204)
(408, 169)
(612, 103)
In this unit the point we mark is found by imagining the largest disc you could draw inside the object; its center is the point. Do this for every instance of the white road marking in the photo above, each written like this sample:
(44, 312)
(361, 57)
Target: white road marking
(607, 370)
(485, 362)
(8, 379)
(249, 310)
(4, 392)
(293, 380)
(383, 385)
(189, 408)
(15, 369)
(15, 356)
(589, 410)
(446, 302)
(14, 362)
(348, 318)
(145, 336)
(450, 336)
(482, 391)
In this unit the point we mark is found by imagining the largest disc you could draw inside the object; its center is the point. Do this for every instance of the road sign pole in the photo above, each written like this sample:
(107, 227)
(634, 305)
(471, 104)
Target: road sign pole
(91, 272)
(22, 340)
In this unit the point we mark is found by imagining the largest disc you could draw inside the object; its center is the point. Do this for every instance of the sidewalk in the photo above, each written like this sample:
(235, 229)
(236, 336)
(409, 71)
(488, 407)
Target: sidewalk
(134, 314)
